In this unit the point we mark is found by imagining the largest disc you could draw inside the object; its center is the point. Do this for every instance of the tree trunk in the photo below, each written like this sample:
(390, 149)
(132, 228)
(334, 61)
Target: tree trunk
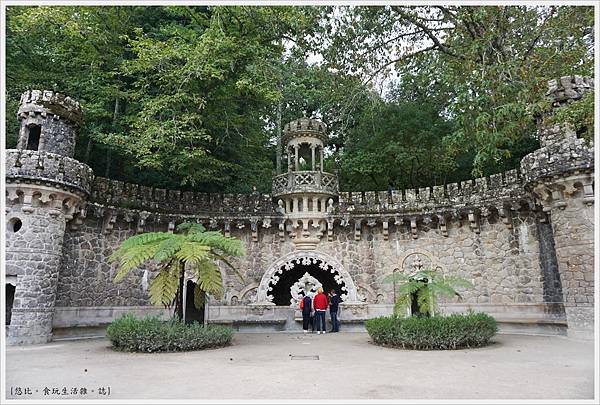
(114, 125)
(180, 293)
(279, 146)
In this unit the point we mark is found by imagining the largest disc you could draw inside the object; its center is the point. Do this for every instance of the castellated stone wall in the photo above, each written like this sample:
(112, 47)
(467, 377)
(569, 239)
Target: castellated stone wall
(502, 261)
(524, 238)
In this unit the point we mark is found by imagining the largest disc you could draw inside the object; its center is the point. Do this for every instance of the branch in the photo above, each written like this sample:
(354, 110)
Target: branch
(429, 32)
(537, 38)
(372, 76)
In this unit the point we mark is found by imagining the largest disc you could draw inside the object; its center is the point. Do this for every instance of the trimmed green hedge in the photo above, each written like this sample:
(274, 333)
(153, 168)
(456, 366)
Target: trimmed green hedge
(433, 333)
(151, 334)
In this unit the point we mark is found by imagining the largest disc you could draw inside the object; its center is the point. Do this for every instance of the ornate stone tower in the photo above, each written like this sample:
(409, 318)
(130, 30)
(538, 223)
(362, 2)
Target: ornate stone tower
(45, 188)
(305, 194)
(561, 177)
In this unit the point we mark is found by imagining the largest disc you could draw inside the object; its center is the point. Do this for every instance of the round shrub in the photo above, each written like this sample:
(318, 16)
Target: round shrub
(433, 333)
(150, 334)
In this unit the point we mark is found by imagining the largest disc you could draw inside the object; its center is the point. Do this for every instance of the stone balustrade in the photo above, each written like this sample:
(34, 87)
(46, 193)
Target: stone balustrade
(305, 182)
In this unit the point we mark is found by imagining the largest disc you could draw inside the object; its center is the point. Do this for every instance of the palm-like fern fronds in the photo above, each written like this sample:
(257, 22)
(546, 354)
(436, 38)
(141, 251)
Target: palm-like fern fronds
(192, 252)
(209, 278)
(219, 243)
(164, 286)
(199, 296)
(133, 257)
(194, 246)
(425, 300)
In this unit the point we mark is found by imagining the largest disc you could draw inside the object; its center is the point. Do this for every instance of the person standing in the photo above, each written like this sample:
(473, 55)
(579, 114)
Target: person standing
(334, 303)
(320, 304)
(306, 308)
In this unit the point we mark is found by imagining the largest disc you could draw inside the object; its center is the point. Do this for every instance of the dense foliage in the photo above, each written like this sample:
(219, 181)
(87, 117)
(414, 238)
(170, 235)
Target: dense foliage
(150, 334)
(195, 97)
(193, 248)
(433, 333)
(489, 63)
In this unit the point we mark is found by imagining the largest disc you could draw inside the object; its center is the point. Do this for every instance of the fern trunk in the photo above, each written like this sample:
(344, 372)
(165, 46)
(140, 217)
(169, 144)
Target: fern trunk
(179, 297)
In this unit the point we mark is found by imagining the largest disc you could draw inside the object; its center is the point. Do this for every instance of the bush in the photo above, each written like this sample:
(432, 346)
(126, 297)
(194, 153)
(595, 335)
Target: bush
(433, 333)
(151, 334)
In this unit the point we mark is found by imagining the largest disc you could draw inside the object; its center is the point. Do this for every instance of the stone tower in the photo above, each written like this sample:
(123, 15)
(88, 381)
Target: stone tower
(45, 188)
(305, 193)
(561, 177)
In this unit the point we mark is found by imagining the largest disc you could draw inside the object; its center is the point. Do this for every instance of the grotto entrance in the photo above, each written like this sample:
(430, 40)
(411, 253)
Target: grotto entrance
(304, 278)
(305, 268)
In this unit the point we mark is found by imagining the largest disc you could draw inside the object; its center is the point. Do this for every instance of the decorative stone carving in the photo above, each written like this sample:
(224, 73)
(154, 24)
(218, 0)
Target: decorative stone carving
(305, 285)
(271, 276)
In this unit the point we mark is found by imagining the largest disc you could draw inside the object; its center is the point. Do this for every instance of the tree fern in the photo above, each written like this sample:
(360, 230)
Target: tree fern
(193, 246)
(427, 285)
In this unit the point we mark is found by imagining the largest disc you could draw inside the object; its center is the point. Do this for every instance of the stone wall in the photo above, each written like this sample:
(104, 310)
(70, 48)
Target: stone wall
(33, 255)
(502, 261)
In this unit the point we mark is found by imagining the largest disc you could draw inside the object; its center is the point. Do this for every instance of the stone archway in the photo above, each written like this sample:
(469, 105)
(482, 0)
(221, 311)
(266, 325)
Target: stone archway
(287, 262)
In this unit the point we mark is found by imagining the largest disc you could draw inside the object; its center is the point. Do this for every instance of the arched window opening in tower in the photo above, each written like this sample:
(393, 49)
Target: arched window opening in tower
(33, 138)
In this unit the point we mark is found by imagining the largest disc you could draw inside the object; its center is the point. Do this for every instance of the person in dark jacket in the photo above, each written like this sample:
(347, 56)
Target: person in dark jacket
(306, 307)
(334, 302)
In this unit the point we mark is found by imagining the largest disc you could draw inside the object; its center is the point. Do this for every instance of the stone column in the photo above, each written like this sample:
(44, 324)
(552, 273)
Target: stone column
(312, 151)
(321, 153)
(296, 163)
(289, 159)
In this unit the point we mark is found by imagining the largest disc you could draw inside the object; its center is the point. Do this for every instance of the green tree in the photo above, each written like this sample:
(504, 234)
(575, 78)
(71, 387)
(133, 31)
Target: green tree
(396, 143)
(419, 292)
(194, 248)
(176, 97)
(492, 60)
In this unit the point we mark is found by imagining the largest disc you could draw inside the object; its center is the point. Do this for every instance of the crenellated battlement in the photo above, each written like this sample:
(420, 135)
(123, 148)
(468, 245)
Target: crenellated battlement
(128, 195)
(304, 127)
(501, 186)
(29, 166)
(497, 187)
(568, 89)
(50, 102)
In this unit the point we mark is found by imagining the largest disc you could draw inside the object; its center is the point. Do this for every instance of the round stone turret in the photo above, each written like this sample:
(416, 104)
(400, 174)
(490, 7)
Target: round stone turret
(560, 177)
(45, 189)
(304, 128)
(305, 194)
(49, 122)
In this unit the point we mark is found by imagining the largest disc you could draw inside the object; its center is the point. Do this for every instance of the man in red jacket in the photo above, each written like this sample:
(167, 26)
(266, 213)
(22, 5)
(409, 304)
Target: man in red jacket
(320, 304)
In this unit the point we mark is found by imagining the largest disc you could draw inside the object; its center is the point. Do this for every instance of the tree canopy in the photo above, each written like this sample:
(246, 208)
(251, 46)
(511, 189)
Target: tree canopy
(194, 97)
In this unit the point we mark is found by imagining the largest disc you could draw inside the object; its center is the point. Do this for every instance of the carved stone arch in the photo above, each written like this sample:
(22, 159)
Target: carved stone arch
(243, 293)
(287, 262)
(405, 265)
